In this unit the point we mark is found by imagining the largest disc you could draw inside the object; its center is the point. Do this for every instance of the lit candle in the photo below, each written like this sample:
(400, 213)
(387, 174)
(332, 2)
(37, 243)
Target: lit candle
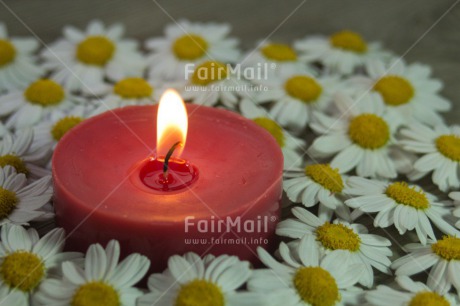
(172, 125)
(219, 195)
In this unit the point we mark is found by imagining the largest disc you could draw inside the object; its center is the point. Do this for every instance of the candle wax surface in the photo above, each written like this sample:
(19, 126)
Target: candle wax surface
(180, 174)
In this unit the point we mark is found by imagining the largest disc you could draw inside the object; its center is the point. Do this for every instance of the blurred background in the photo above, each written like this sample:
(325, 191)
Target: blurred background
(425, 31)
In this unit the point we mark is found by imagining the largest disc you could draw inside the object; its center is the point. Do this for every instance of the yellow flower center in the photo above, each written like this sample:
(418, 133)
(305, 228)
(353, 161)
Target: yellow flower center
(64, 125)
(22, 270)
(327, 177)
(95, 50)
(209, 72)
(7, 52)
(427, 298)
(369, 131)
(279, 52)
(44, 93)
(405, 195)
(273, 128)
(133, 88)
(15, 162)
(200, 293)
(190, 47)
(395, 90)
(449, 146)
(448, 248)
(338, 237)
(96, 294)
(316, 286)
(303, 88)
(8, 202)
(348, 40)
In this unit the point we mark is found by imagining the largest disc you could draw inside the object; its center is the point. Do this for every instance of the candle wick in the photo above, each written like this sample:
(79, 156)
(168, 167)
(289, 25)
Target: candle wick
(167, 158)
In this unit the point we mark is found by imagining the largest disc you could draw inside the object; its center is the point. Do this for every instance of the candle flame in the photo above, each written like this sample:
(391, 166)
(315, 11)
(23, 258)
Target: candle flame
(172, 123)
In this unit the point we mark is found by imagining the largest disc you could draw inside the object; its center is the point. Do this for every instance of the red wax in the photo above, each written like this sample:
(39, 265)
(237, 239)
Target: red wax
(108, 185)
(181, 174)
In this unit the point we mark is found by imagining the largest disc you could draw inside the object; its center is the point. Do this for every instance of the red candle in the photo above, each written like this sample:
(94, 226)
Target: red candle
(220, 195)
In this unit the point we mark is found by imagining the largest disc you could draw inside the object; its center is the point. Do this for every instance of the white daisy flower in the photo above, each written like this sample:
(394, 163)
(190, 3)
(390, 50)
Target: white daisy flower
(456, 212)
(413, 294)
(102, 281)
(48, 133)
(319, 184)
(132, 91)
(340, 240)
(296, 93)
(270, 58)
(362, 137)
(440, 147)
(342, 52)
(407, 90)
(211, 82)
(190, 43)
(306, 279)
(28, 261)
(12, 298)
(82, 60)
(27, 107)
(18, 151)
(406, 206)
(442, 256)
(190, 280)
(23, 202)
(289, 144)
(17, 63)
